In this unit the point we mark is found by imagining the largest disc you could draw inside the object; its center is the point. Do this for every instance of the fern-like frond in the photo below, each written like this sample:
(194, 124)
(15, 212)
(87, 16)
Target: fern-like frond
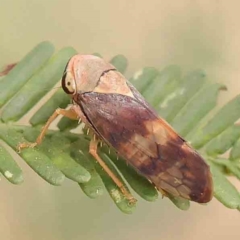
(186, 102)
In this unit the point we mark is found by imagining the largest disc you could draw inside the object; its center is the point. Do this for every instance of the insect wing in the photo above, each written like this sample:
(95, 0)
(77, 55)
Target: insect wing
(149, 144)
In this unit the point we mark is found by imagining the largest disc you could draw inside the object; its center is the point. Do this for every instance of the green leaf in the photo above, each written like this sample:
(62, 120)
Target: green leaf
(94, 187)
(235, 152)
(37, 160)
(230, 167)
(224, 191)
(62, 160)
(21, 73)
(226, 117)
(9, 168)
(196, 109)
(181, 203)
(37, 86)
(144, 77)
(6, 69)
(59, 100)
(115, 193)
(67, 124)
(120, 62)
(166, 82)
(224, 141)
(177, 99)
(60, 156)
(97, 55)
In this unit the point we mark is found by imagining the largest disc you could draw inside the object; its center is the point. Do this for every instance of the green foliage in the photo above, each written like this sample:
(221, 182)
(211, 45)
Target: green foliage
(184, 101)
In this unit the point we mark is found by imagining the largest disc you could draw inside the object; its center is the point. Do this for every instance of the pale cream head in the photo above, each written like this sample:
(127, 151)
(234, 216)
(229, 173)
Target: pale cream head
(82, 73)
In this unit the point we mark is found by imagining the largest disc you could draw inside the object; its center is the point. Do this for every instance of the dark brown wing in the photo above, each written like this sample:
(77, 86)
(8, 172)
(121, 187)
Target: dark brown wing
(149, 144)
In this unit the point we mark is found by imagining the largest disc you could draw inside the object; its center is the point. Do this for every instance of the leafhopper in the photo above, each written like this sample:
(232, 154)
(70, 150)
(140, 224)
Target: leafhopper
(119, 116)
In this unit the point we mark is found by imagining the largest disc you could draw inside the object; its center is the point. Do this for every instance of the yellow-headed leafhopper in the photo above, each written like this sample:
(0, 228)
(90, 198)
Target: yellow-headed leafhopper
(119, 116)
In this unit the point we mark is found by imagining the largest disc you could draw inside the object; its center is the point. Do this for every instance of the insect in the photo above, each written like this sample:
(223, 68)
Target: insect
(119, 116)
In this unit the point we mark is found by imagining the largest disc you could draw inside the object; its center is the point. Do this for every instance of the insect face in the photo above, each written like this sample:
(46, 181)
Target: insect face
(69, 83)
(83, 73)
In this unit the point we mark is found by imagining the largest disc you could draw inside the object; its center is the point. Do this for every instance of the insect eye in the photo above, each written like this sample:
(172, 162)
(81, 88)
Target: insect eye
(68, 84)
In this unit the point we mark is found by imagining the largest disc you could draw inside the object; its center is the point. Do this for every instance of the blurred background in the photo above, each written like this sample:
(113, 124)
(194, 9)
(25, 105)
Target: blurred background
(193, 34)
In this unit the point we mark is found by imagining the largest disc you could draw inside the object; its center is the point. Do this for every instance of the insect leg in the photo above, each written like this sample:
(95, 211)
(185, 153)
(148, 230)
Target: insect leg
(93, 151)
(69, 113)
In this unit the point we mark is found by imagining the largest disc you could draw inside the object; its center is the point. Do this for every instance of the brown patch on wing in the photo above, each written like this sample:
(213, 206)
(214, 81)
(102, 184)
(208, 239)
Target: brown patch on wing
(149, 144)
